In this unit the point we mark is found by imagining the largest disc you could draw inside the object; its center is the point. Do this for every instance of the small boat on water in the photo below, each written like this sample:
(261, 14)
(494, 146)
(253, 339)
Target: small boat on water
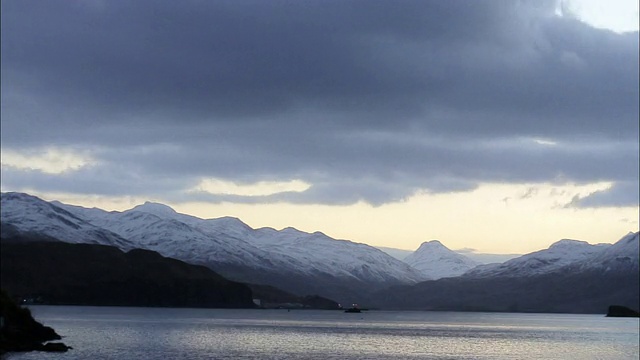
(353, 309)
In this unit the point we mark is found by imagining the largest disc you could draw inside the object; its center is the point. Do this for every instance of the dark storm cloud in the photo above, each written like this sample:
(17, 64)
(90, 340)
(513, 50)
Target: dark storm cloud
(365, 100)
(109, 180)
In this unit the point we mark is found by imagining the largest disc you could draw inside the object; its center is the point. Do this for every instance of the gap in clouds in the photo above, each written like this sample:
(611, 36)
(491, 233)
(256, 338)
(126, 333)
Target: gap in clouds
(480, 218)
(321, 104)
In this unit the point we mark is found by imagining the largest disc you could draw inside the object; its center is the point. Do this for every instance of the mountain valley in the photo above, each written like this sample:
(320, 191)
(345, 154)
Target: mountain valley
(569, 276)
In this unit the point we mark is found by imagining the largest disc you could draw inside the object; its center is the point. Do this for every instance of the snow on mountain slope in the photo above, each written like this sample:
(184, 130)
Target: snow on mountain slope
(341, 257)
(29, 214)
(298, 251)
(228, 240)
(436, 261)
(560, 254)
(160, 210)
(159, 228)
(622, 255)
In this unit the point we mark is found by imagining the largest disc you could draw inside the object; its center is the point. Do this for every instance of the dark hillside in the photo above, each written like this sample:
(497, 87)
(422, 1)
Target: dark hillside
(586, 292)
(21, 332)
(83, 274)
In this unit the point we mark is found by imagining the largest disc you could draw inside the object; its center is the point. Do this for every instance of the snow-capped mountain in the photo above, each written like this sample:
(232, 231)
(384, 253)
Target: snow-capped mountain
(571, 276)
(343, 258)
(559, 255)
(300, 262)
(478, 257)
(623, 255)
(156, 227)
(28, 214)
(226, 245)
(436, 261)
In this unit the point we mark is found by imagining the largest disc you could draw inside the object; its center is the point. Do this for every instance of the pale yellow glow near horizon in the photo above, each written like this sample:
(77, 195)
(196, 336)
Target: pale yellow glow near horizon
(494, 218)
(261, 188)
(48, 160)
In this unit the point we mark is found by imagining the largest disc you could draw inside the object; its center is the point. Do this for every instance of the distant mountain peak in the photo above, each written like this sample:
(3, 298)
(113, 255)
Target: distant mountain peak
(568, 243)
(621, 255)
(18, 195)
(561, 254)
(631, 237)
(229, 218)
(154, 208)
(231, 224)
(30, 216)
(436, 261)
(229, 221)
(432, 244)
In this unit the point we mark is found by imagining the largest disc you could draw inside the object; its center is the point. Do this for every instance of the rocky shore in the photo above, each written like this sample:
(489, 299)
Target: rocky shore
(621, 311)
(21, 332)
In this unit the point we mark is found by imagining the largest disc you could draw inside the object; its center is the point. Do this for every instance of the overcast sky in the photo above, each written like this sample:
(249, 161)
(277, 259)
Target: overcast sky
(329, 115)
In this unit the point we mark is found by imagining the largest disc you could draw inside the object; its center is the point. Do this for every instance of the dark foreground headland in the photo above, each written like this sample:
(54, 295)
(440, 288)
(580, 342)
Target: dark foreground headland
(59, 273)
(21, 332)
(621, 311)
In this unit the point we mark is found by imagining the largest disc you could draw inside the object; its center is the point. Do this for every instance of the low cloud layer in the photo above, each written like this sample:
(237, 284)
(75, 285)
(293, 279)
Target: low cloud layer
(363, 101)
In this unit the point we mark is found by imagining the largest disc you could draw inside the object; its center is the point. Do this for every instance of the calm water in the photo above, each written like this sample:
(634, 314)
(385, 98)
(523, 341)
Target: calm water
(151, 333)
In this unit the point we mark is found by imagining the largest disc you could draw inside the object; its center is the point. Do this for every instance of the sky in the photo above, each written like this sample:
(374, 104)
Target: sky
(493, 126)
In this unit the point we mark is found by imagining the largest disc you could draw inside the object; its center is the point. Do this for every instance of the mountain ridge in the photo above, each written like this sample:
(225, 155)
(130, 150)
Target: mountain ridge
(587, 282)
(296, 261)
(561, 254)
(289, 258)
